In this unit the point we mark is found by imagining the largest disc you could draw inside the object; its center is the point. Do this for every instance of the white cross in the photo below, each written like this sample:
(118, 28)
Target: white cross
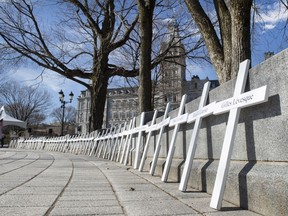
(94, 147)
(102, 141)
(125, 141)
(165, 121)
(121, 141)
(180, 119)
(115, 142)
(196, 116)
(107, 142)
(149, 130)
(233, 105)
(139, 130)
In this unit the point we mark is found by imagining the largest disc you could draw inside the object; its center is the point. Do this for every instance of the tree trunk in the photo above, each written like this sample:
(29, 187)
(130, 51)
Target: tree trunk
(224, 70)
(233, 46)
(241, 45)
(145, 89)
(99, 87)
(98, 99)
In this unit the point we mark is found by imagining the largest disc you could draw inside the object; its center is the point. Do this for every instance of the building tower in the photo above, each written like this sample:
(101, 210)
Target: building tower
(172, 70)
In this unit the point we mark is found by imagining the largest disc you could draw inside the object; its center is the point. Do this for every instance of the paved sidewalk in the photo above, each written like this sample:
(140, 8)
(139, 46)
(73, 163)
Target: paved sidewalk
(48, 183)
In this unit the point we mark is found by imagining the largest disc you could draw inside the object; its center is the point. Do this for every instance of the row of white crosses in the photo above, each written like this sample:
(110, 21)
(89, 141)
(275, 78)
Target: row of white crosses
(232, 105)
(116, 143)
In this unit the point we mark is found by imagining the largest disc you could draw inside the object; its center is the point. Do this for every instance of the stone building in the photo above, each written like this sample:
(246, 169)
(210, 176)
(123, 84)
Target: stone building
(122, 103)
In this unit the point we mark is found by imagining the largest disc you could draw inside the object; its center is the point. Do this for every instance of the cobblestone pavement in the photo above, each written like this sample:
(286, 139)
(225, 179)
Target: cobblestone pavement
(48, 183)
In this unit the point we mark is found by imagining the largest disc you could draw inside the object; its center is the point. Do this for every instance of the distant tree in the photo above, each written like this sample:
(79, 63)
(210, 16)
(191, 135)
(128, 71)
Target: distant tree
(26, 103)
(37, 118)
(69, 116)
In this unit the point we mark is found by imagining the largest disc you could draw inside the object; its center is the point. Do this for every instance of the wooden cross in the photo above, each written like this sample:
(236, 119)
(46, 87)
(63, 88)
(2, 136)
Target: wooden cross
(149, 130)
(128, 142)
(103, 141)
(127, 137)
(115, 142)
(196, 116)
(176, 122)
(94, 147)
(233, 105)
(121, 141)
(139, 130)
(165, 121)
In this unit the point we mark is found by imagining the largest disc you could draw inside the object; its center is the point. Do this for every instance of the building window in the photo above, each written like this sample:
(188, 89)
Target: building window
(123, 115)
(115, 115)
(174, 98)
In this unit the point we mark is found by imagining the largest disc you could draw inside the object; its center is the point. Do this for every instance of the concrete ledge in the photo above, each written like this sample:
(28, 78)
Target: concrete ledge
(248, 184)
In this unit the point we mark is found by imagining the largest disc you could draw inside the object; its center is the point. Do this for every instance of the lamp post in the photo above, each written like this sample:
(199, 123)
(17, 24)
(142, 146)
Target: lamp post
(63, 103)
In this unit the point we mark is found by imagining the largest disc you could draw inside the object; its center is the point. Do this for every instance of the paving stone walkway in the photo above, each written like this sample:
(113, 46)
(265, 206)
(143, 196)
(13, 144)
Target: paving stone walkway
(47, 183)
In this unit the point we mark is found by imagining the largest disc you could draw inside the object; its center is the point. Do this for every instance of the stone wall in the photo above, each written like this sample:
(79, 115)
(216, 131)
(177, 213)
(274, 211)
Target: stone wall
(258, 174)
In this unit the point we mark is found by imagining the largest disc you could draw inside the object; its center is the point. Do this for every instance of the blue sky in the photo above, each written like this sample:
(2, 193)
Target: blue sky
(267, 36)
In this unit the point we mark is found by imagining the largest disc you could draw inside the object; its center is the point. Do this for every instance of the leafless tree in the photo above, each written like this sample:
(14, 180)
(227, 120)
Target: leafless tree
(25, 103)
(69, 116)
(83, 46)
(78, 47)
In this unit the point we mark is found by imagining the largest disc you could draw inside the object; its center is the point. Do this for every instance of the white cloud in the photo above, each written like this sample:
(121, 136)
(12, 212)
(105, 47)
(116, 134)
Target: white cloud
(269, 26)
(270, 15)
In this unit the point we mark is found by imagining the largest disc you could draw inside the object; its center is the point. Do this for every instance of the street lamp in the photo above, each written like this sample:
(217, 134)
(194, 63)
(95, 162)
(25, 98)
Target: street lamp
(63, 103)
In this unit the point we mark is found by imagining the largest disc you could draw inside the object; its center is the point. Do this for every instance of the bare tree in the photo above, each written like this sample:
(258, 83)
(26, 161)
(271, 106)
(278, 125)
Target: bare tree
(80, 51)
(69, 116)
(83, 45)
(25, 103)
(232, 45)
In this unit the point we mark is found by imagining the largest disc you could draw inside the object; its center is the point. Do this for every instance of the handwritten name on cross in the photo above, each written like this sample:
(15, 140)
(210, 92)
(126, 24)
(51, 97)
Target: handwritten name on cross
(233, 105)
(149, 130)
(176, 122)
(165, 121)
(196, 116)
